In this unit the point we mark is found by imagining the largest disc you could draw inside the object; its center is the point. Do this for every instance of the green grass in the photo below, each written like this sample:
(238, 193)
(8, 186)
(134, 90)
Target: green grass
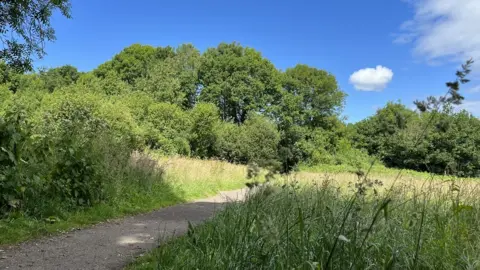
(184, 180)
(377, 169)
(317, 225)
(17, 228)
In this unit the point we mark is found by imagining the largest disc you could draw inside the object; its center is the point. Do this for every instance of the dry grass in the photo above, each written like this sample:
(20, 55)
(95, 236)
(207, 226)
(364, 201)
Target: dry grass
(196, 178)
(334, 221)
(407, 184)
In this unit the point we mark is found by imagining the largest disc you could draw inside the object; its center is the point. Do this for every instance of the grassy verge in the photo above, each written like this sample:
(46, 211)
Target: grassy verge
(184, 180)
(418, 224)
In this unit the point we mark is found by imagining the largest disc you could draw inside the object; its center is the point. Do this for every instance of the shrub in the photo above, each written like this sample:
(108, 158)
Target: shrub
(205, 120)
(15, 179)
(261, 139)
(65, 156)
(169, 128)
(5, 97)
(255, 141)
(228, 144)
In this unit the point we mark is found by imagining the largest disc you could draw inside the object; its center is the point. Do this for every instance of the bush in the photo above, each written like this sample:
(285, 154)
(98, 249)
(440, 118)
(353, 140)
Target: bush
(65, 156)
(449, 145)
(169, 128)
(255, 141)
(261, 139)
(228, 144)
(5, 97)
(205, 121)
(15, 178)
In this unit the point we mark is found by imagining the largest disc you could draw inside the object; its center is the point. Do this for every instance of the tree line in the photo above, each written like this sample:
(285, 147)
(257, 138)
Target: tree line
(61, 129)
(229, 102)
(232, 103)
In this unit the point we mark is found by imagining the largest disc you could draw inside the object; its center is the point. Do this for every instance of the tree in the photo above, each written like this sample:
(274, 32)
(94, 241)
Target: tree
(311, 97)
(60, 76)
(437, 139)
(131, 63)
(24, 28)
(374, 132)
(229, 140)
(255, 141)
(175, 78)
(6, 73)
(170, 128)
(238, 80)
(163, 53)
(187, 63)
(447, 143)
(309, 106)
(162, 83)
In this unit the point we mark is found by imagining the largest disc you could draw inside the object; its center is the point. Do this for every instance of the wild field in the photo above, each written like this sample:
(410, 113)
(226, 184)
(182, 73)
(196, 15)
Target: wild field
(337, 221)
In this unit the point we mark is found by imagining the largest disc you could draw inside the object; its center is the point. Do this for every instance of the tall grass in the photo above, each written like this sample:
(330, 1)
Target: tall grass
(195, 178)
(416, 224)
(145, 184)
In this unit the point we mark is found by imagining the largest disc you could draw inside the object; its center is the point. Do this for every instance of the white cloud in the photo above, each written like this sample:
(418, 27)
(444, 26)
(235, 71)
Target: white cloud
(475, 89)
(371, 79)
(444, 31)
(473, 106)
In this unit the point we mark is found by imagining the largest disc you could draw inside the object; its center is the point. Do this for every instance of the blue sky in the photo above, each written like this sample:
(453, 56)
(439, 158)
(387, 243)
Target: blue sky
(416, 46)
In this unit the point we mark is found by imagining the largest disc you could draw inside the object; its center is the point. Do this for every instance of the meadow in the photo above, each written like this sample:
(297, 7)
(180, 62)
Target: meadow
(337, 221)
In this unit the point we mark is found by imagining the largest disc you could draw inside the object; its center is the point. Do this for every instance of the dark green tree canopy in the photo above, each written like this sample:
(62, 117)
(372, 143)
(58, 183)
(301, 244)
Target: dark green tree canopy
(238, 80)
(58, 77)
(130, 64)
(311, 96)
(372, 133)
(174, 79)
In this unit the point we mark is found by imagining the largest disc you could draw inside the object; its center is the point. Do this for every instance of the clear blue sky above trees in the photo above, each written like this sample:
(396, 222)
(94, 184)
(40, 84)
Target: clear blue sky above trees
(341, 37)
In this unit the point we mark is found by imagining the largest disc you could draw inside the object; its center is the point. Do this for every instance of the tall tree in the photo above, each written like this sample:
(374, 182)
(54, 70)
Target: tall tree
(311, 100)
(131, 63)
(311, 96)
(187, 62)
(238, 80)
(174, 79)
(24, 28)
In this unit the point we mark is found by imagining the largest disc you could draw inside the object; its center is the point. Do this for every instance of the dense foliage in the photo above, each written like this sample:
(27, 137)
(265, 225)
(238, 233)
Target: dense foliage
(438, 139)
(439, 142)
(61, 129)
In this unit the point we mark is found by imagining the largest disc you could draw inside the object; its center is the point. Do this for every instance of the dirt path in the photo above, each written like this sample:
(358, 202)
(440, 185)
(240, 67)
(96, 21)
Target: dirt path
(112, 245)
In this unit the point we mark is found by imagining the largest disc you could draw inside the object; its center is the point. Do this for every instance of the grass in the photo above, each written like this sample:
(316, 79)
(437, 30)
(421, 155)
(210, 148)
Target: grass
(184, 180)
(336, 221)
(377, 169)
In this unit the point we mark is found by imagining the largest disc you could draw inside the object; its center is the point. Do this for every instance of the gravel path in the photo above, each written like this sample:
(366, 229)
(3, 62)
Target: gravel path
(112, 245)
